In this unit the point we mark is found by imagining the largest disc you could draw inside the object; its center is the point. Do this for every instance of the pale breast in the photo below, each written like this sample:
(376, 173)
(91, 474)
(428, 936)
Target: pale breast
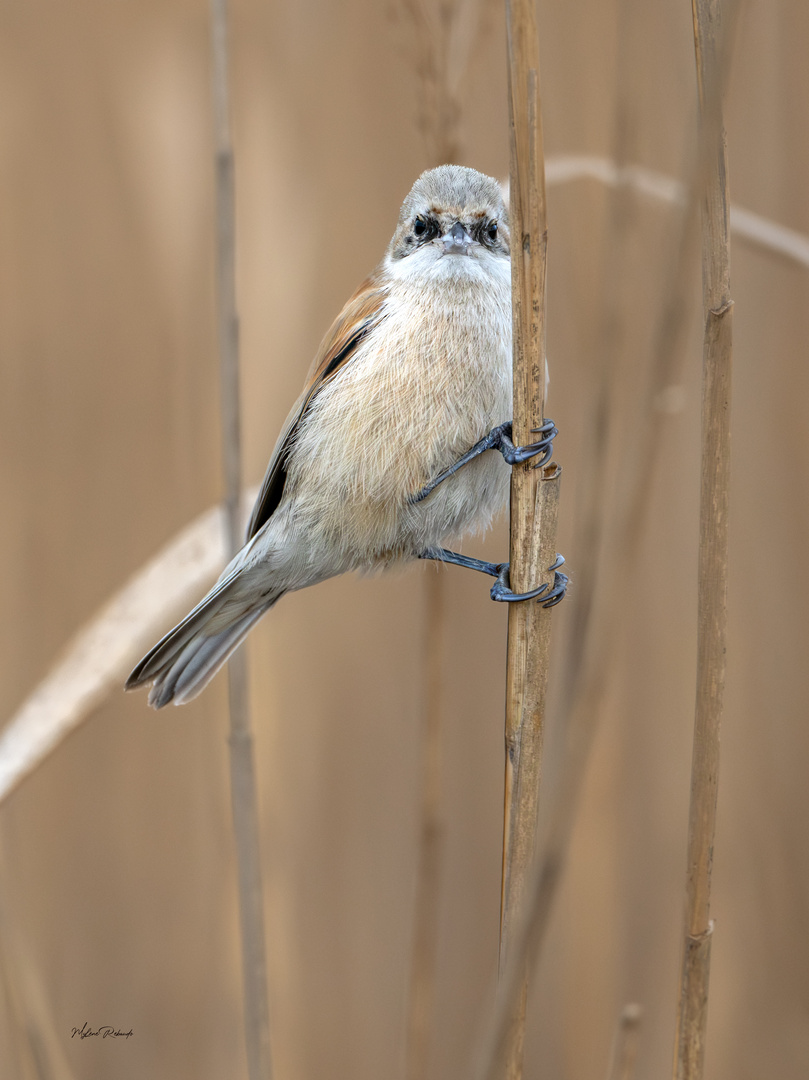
(428, 383)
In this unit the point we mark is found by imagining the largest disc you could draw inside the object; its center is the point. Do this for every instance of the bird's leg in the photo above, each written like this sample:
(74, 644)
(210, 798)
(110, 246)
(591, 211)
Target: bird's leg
(499, 438)
(501, 590)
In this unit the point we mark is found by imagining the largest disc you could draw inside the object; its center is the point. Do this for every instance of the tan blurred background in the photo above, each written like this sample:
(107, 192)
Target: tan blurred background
(117, 900)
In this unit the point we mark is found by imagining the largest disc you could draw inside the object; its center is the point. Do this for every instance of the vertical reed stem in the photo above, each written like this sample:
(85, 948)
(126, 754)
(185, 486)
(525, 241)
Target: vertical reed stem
(534, 497)
(242, 769)
(713, 547)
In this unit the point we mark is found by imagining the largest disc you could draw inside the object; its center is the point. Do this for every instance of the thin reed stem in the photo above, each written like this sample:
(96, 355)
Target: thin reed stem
(244, 794)
(692, 1014)
(534, 501)
(531, 920)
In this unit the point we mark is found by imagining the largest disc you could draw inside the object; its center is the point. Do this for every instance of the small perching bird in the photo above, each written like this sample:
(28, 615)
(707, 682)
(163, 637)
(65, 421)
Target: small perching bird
(415, 370)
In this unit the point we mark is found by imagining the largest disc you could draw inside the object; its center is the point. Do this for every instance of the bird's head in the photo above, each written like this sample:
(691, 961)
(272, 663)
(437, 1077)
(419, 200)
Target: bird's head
(451, 213)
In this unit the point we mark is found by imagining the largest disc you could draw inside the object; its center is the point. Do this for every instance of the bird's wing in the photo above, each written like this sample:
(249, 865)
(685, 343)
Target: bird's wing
(362, 312)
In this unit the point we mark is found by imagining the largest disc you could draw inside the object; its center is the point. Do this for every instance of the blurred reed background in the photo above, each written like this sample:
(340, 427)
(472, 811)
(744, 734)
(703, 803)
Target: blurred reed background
(117, 882)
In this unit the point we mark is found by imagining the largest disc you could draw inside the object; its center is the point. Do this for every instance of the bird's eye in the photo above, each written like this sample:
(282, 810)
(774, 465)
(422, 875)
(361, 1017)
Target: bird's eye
(491, 231)
(419, 226)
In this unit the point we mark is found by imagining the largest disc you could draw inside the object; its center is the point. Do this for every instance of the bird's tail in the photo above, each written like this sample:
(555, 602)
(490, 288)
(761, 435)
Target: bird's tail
(183, 662)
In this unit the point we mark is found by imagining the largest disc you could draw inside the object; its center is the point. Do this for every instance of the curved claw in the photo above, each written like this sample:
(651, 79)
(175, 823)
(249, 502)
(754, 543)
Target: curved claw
(557, 593)
(501, 590)
(516, 455)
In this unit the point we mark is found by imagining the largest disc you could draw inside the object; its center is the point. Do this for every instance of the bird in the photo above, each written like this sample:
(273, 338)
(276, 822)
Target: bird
(382, 457)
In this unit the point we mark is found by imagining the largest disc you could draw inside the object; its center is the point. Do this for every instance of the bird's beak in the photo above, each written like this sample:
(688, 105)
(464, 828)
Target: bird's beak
(457, 241)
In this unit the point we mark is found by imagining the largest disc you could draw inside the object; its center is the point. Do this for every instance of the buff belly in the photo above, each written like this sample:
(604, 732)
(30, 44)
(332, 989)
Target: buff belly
(405, 408)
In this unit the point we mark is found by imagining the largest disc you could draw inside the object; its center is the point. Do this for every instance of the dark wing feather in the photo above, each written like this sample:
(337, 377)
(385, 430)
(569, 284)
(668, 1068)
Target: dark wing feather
(362, 312)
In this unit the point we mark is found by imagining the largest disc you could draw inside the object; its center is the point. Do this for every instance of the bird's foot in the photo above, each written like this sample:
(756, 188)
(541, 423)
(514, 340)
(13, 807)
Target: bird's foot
(499, 438)
(516, 455)
(501, 590)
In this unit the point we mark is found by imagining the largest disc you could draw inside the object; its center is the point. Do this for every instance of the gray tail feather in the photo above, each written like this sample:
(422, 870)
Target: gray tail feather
(183, 662)
(189, 673)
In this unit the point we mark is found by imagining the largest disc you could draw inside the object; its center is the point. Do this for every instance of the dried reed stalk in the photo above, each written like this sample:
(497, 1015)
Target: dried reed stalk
(531, 921)
(534, 499)
(692, 1014)
(244, 794)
